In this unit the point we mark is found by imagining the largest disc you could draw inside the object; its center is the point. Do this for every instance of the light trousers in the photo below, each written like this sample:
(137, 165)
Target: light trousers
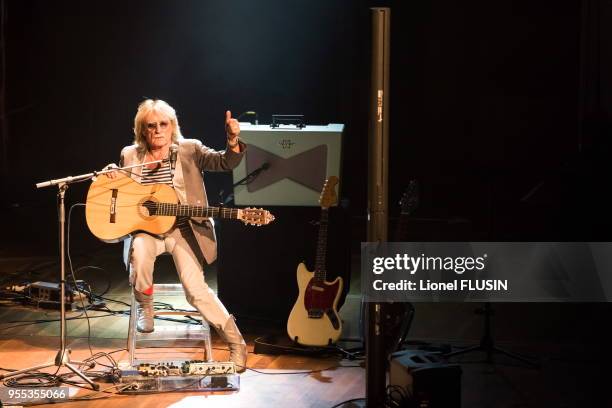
(189, 266)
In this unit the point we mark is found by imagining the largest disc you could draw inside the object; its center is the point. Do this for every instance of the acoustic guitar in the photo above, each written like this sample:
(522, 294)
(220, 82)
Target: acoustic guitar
(120, 206)
(314, 319)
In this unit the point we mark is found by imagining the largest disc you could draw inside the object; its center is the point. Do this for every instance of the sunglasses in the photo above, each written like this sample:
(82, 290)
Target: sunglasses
(154, 125)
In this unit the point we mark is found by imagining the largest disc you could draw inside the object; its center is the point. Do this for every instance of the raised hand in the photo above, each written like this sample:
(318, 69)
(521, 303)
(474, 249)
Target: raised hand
(232, 128)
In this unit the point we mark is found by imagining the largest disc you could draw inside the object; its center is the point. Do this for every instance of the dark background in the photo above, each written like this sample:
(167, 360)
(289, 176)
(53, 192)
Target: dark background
(500, 109)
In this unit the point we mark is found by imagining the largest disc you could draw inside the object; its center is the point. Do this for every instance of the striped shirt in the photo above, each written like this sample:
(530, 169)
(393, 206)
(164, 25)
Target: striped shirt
(157, 175)
(163, 175)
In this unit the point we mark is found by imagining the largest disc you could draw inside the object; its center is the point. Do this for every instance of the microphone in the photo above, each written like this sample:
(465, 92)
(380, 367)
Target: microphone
(173, 153)
(255, 173)
(252, 175)
(264, 166)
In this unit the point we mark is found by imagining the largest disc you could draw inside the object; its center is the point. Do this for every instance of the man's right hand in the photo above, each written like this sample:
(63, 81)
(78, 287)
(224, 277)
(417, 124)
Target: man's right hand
(111, 174)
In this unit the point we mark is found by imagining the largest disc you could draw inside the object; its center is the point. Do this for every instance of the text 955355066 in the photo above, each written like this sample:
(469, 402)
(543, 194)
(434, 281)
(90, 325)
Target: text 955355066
(29, 394)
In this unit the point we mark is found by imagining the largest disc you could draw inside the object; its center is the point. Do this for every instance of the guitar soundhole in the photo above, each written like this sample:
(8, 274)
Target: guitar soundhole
(147, 208)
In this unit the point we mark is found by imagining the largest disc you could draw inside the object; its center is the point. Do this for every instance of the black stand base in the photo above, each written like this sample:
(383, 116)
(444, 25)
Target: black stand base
(490, 350)
(276, 345)
(488, 345)
(62, 359)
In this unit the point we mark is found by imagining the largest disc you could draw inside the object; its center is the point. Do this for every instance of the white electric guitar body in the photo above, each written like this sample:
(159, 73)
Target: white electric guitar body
(314, 319)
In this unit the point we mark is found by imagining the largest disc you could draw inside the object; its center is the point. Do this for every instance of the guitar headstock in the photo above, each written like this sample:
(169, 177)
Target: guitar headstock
(328, 194)
(410, 199)
(255, 216)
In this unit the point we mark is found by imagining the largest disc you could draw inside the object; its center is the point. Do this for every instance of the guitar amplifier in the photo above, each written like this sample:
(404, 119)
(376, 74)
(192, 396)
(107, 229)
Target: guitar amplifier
(425, 380)
(288, 165)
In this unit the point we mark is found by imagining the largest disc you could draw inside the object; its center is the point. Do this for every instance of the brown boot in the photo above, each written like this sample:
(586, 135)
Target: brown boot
(237, 346)
(145, 312)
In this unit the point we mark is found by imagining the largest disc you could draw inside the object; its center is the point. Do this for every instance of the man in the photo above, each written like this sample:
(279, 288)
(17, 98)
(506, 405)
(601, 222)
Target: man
(191, 243)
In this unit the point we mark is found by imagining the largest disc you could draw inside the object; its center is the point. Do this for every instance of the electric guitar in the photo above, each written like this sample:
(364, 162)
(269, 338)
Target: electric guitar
(397, 316)
(314, 319)
(120, 206)
(408, 203)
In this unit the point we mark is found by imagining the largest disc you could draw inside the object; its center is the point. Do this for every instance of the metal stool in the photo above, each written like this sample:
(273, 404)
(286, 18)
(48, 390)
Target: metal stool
(168, 333)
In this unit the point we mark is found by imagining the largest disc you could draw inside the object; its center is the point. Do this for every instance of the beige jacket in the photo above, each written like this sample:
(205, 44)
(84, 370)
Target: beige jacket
(193, 158)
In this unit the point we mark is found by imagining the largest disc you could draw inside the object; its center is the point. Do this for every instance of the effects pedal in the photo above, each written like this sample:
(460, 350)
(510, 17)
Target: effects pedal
(193, 367)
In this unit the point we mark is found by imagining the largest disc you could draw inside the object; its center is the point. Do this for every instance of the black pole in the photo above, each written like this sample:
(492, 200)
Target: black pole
(378, 140)
(4, 128)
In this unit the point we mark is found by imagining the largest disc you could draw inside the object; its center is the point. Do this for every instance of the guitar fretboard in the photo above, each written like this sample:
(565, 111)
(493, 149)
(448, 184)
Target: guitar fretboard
(191, 210)
(320, 270)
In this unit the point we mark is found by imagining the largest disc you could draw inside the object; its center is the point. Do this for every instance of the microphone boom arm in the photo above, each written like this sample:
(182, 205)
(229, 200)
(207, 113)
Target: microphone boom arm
(74, 179)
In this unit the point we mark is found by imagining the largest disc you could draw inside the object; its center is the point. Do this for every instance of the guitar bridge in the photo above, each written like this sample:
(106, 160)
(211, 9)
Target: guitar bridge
(113, 206)
(315, 313)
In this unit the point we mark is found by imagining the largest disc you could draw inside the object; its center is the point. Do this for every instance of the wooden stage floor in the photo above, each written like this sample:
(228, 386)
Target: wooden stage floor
(569, 340)
(310, 382)
(331, 381)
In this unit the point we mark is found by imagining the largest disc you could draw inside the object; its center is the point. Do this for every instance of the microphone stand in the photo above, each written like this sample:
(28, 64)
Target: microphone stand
(245, 180)
(62, 358)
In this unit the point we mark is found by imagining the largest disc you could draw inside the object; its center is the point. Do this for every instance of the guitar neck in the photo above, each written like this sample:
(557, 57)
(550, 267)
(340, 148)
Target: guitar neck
(320, 269)
(196, 211)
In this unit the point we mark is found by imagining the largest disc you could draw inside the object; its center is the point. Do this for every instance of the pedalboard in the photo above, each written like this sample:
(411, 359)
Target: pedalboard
(193, 375)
